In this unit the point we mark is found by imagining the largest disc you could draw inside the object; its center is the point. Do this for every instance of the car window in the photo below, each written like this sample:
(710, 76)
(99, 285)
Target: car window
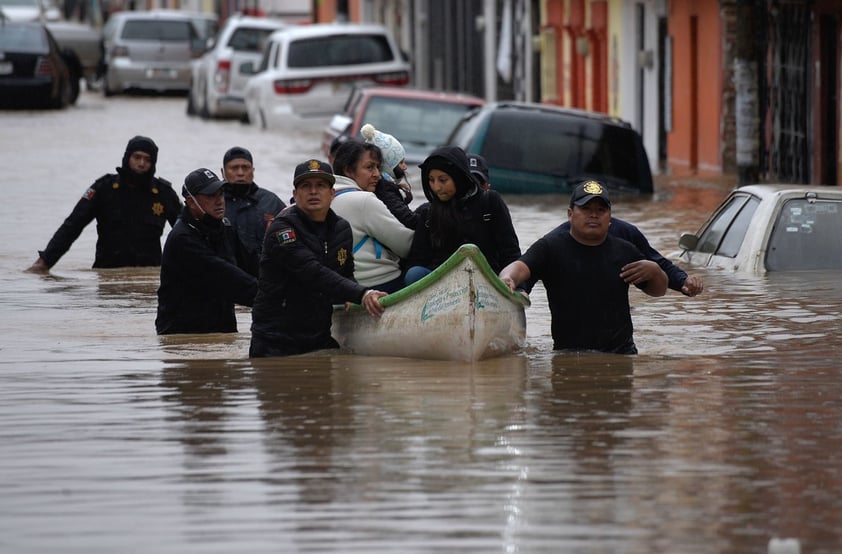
(563, 146)
(175, 31)
(806, 235)
(23, 38)
(725, 233)
(249, 40)
(339, 50)
(421, 122)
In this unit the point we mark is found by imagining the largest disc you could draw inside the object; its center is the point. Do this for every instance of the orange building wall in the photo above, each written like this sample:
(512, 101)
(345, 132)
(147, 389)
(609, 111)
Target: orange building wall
(693, 144)
(326, 11)
(580, 37)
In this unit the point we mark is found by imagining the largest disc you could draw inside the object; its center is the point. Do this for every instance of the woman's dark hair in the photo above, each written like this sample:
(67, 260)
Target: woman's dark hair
(349, 154)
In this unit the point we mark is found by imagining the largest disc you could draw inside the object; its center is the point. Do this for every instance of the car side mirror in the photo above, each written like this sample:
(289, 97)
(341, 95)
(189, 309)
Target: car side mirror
(247, 68)
(688, 241)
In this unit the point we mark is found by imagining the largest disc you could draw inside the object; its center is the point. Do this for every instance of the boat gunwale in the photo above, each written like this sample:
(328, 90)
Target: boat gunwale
(466, 251)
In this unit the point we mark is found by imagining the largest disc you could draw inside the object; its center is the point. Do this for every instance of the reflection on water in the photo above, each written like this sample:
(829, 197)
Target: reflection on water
(719, 436)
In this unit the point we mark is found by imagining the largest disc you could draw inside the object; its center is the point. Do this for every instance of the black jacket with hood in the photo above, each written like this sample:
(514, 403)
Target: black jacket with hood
(130, 211)
(472, 216)
(250, 209)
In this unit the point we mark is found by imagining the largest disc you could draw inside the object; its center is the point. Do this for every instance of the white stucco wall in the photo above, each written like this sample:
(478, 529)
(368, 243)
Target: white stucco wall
(636, 104)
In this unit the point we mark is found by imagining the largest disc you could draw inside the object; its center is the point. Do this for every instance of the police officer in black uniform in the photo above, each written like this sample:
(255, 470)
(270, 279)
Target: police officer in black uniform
(200, 279)
(248, 207)
(306, 267)
(131, 208)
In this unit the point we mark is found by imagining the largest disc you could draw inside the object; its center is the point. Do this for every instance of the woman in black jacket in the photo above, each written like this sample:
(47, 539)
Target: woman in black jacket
(458, 212)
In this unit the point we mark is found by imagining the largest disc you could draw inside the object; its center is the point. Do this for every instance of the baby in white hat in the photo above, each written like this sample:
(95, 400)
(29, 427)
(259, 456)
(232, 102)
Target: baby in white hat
(393, 166)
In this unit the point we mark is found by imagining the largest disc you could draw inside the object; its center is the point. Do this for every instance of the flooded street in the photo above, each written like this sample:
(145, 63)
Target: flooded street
(722, 434)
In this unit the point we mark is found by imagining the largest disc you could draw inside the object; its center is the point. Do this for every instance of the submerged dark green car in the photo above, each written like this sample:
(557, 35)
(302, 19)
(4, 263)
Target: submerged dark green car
(541, 149)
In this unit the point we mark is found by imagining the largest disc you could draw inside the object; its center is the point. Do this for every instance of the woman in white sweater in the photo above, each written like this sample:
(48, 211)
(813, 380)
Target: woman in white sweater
(380, 240)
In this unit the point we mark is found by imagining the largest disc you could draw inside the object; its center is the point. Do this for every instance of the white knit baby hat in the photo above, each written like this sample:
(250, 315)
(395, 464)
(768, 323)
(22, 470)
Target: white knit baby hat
(393, 151)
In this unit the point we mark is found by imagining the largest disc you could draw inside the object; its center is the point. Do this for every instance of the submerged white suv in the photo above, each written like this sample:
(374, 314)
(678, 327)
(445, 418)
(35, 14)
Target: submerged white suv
(308, 71)
(217, 84)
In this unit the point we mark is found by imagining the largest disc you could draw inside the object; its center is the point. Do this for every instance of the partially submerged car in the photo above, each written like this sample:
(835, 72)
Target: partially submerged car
(218, 82)
(151, 50)
(33, 70)
(86, 43)
(420, 119)
(760, 228)
(308, 71)
(533, 148)
(80, 42)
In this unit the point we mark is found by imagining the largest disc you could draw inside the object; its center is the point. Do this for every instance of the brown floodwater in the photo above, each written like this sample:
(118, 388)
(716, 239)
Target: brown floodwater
(722, 435)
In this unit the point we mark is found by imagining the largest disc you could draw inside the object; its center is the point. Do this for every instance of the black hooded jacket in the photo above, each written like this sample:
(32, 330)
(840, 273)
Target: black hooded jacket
(130, 210)
(250, 208)
(473, 216)
(200, 279)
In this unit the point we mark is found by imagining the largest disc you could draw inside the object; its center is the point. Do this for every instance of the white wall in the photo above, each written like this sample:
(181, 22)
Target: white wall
(643, 117)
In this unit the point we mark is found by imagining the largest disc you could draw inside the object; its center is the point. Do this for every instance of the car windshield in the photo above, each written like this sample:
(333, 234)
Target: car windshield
(23, 38)
(724, 235)
(176, 31)
(563, 146)
(339, 50)
(806, 235)
(412, 121)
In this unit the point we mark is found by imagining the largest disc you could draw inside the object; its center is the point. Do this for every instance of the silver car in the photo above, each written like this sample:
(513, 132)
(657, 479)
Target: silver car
(150, 50)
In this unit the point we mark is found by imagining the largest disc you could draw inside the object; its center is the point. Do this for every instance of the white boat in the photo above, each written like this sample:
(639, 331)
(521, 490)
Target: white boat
(461, 311)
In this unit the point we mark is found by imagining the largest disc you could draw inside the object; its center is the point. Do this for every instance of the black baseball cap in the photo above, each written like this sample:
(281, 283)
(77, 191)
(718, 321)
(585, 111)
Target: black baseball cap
(201, 181)
(236, 153)
(313, 167)
(587, 191)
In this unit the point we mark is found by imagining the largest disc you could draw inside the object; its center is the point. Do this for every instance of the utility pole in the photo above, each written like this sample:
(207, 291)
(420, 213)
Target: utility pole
(746, 97)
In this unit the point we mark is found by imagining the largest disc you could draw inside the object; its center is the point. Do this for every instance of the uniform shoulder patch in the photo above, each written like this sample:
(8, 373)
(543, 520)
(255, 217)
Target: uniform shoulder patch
(89, 194)
(285, 235)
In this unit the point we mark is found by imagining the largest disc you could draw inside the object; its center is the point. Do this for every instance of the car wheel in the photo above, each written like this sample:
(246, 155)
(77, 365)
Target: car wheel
(74, 87)
(64, 94)
(74, 68)
(191, 107)
(204, 113)
(107, 90)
